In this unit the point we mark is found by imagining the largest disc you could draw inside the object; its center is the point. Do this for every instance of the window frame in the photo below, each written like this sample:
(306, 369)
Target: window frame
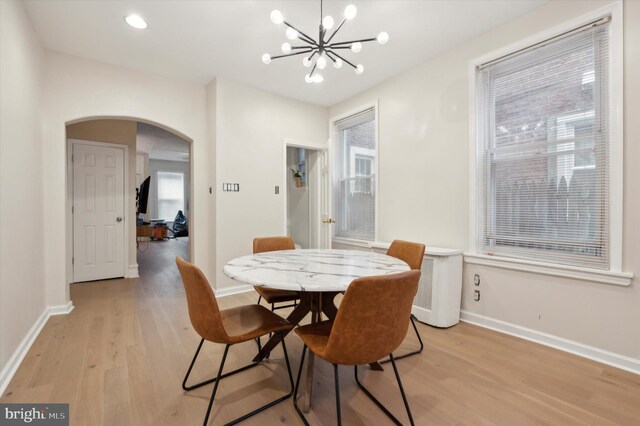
(335, 177)
(184, 193)
(614, 274)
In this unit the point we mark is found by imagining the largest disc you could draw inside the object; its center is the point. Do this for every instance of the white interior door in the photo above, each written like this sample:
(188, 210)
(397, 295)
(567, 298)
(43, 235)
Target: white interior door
(98, 212)
(326, 233)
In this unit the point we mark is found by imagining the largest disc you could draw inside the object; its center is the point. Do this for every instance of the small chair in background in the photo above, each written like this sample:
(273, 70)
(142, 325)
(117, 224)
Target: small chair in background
(371, 323)
(273, 296)
(228, 327)
(412, 254)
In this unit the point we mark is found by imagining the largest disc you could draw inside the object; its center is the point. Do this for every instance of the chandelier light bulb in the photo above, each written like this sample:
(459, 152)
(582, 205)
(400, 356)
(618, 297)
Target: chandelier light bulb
(277, 17)
(266, 58)
(337, 64)
(292, 34)
(383, 38)
(286, 48)
(356, 47)
(321, 62)
(359, 69)
(350, 12)
(308, 78)
(327, 22)
(317, 78)
(306, 62)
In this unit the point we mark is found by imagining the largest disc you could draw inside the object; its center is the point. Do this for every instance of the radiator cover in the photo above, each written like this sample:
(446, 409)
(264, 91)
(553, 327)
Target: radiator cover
(439, 294)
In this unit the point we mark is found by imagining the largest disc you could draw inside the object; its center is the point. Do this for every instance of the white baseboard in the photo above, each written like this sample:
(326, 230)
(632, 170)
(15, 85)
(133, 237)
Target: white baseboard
(132, 272)
(228, 291)
(615, 360)
(21, 351)
(61, 309)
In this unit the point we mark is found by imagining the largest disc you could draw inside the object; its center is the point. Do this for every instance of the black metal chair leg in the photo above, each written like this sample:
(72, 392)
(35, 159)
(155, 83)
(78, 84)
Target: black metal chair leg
(374, 399)
(417, 351)
(404, 397)
(259, 299)
(206, 382)
(337, 382)
(217, 381)
(276, 401)
(295, 391)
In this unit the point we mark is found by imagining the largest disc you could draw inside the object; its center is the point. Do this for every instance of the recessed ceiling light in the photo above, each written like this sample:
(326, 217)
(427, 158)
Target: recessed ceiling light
(136, 21)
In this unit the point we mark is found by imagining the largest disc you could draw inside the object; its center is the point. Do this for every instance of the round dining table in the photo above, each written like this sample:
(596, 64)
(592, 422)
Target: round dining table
(318, 275)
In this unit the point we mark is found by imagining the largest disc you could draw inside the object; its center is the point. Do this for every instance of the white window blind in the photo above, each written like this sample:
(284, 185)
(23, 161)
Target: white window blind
(170, 194)
(355, 197)
(544, 151)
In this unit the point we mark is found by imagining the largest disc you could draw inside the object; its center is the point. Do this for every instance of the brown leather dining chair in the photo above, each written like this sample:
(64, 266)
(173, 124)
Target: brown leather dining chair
(412, 254)
(273, 296)
(362, 333)
(228, 327)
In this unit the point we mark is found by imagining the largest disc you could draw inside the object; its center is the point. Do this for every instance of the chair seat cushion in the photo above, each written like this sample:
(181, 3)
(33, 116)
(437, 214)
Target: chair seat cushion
(244, 323)
(277, 296)
(316, 337)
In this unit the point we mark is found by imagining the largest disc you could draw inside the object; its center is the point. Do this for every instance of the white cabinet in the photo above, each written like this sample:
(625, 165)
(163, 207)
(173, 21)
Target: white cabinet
(439, 293)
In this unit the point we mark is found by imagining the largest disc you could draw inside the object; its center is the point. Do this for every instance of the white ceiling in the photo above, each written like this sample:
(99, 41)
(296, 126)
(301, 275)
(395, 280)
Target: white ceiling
(199, 40)
(161, 144)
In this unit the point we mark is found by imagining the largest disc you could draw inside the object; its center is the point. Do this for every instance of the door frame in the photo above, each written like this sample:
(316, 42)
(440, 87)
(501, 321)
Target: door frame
(125, 241)
(286, 143)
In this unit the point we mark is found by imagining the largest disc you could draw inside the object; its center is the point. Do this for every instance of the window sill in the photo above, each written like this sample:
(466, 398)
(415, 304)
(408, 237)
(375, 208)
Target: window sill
(607, 277)
(352, 242)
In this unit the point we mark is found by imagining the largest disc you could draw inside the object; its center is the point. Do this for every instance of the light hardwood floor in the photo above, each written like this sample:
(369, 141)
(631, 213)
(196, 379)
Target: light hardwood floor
(120, 356)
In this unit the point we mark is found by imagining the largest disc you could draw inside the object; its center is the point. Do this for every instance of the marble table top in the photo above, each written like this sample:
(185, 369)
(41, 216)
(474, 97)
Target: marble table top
(311, 270)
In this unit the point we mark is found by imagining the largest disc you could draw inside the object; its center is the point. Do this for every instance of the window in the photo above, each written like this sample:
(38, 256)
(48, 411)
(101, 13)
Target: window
(355, 197)
(170, 194)
(544, 151)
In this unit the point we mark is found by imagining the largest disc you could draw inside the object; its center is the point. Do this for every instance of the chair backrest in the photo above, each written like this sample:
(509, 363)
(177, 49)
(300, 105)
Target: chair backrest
(373, 318)
(412, 253)
(261, 245)
(203, 307)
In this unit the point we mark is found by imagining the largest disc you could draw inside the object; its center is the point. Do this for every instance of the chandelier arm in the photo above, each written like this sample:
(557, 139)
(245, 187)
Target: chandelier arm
(343, 59)
(303, 47)
(364, 40)
(310, 40)
(307, 40)
(336, 31)
(290, 54)
(330, 55)
(313, 70)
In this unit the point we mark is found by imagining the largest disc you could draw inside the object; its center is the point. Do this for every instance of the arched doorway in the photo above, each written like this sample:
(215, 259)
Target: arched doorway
(136, 137)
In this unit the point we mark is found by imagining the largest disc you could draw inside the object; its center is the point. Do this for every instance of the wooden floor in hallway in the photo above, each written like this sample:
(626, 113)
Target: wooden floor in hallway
(120, 356)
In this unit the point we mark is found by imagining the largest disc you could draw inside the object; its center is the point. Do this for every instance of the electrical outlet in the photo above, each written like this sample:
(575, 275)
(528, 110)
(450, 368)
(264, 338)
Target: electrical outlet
(277, 190)
(476, 295)
(476, 279)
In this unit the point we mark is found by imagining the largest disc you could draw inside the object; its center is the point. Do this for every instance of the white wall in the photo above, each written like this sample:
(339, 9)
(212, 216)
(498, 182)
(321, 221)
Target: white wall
(297, 200)
(22, 291)
(76, 88)
(156, 166)
(424, 190)
(251, 128)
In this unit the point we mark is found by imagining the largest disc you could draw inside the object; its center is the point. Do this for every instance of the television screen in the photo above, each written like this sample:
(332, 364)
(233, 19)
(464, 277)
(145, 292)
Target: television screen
(142, 197)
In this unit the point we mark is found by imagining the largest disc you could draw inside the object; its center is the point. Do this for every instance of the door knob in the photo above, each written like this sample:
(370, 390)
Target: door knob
(118, 219)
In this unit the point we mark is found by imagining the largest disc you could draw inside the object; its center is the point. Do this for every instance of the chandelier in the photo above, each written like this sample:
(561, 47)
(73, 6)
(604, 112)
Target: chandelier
(318, 52)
